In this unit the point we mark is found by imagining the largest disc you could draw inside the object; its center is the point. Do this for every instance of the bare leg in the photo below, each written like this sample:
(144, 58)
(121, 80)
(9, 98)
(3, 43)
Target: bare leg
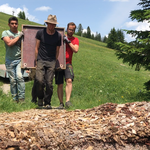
(68, 89)
(60, 92)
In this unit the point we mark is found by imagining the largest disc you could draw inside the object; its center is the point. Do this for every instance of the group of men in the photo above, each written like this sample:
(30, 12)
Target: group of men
(48, 42)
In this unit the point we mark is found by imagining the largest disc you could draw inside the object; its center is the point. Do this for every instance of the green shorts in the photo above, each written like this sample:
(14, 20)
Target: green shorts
(66, 73)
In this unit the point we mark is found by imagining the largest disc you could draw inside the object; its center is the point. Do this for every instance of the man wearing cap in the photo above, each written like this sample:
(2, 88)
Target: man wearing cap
(48, 42)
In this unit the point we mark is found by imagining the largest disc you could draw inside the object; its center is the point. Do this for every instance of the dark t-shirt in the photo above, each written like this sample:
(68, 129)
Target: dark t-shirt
(48, 44)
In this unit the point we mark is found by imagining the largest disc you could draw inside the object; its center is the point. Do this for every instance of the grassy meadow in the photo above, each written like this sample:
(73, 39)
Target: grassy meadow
(99, 77)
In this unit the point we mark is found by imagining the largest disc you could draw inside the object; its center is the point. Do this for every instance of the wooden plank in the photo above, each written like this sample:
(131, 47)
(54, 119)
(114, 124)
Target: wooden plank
(28, 47)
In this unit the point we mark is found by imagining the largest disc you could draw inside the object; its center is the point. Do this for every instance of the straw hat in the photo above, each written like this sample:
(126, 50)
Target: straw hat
(51, 19)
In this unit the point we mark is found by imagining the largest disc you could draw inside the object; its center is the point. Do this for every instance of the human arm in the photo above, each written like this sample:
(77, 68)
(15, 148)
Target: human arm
(36, 50)
(58, 46)
(74, 47)
(57, 52)
(10, 42)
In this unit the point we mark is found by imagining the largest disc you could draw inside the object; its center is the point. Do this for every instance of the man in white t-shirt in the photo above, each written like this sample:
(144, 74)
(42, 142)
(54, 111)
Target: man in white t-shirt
(12, 39)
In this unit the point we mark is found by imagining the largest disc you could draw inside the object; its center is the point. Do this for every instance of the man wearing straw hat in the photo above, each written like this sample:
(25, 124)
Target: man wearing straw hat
(48, 42)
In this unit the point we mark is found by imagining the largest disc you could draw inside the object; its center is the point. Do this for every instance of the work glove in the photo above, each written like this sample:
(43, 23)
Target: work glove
(66, 40)
(21, 34)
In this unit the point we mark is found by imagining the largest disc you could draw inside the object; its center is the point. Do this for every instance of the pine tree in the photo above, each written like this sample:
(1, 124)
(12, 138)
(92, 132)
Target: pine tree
(112, 39)
(84, 34)
(88, 35)
(120, 36)
(137, 53)
(79, 30)
(22, 15)
(92, 36)
(98, 36)
(105, 39)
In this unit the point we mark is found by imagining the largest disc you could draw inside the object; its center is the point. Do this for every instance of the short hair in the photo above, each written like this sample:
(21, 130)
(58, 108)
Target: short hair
(12, 18)
(72, 24)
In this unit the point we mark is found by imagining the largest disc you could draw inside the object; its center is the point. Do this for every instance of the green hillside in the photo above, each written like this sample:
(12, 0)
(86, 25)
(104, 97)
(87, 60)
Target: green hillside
(99, 78)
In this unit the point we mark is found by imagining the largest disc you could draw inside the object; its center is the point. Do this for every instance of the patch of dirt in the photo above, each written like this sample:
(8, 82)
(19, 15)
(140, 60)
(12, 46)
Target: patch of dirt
(6, 88)
(106, 127)
(122, 65)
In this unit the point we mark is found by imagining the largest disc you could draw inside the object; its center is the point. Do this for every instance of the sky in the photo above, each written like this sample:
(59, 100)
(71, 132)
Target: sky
(100, 15)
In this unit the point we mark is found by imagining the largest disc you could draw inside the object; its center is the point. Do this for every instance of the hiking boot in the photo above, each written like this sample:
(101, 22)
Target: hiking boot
(47, 107)
(34, 101)
(16, 101)
(21, 100)
(68, 104)
(40, 102)
(61, 106)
